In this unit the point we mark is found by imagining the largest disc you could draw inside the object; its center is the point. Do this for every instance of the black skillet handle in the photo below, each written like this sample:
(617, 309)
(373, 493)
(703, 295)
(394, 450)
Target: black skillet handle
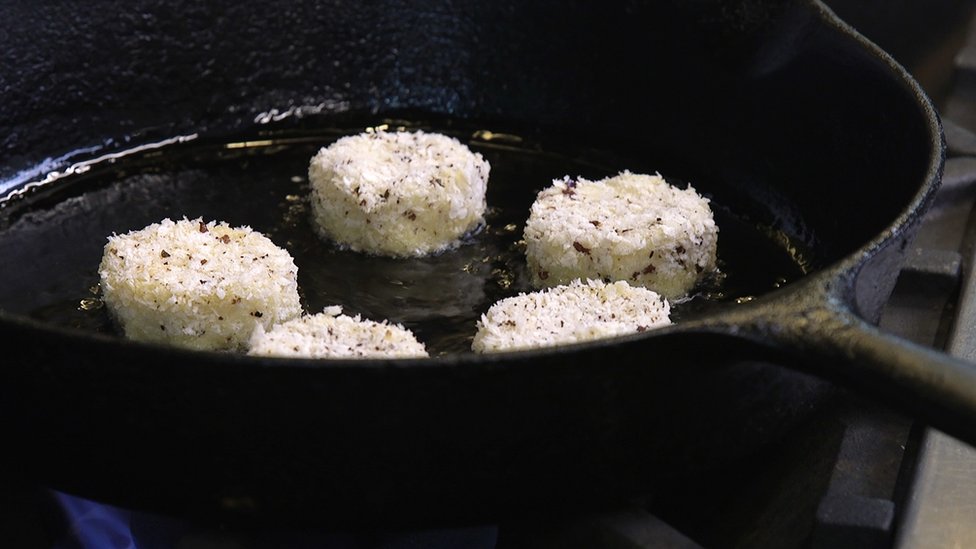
(933, 386)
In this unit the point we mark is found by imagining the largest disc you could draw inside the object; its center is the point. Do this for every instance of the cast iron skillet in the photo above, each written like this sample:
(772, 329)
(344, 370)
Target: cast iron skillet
(798, 122)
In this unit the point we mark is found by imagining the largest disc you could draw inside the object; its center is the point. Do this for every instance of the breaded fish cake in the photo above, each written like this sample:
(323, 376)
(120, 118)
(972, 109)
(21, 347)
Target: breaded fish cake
(397, 193)
(197, 285)
(334, 335)
(579, 311)
(629, 227)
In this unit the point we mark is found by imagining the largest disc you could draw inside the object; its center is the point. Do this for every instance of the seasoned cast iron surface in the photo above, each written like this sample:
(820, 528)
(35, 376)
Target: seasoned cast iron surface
(56, 233)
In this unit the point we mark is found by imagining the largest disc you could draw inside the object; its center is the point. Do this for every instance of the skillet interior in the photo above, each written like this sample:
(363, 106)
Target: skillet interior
(759, 97)
(764, 124)
(55, 232)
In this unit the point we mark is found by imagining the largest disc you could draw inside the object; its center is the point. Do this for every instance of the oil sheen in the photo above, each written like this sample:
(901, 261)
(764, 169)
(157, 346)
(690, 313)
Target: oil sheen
(51, 238)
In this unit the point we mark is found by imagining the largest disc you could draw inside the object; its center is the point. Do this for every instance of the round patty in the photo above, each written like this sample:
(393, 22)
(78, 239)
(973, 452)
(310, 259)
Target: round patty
(197, 285)
(333, 335)
(579, 311)
(629, 227)
(397, 193)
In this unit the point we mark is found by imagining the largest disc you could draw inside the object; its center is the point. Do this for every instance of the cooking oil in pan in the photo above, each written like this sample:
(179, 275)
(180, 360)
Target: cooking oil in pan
(53, 236)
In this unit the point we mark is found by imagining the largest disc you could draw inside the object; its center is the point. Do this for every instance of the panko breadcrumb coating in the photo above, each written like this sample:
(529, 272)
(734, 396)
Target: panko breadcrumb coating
(629, 227)
(333, 335)
(197, 285)
(397, 193)
(580, 311)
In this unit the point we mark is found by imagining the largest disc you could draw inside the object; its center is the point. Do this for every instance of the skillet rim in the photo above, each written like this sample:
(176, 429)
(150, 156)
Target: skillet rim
(849, 265)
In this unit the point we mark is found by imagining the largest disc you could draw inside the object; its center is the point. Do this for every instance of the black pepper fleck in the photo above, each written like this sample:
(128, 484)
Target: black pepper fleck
(581, 248)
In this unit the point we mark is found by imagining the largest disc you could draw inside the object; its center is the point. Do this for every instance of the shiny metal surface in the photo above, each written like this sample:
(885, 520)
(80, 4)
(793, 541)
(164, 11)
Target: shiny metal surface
(941, 505)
